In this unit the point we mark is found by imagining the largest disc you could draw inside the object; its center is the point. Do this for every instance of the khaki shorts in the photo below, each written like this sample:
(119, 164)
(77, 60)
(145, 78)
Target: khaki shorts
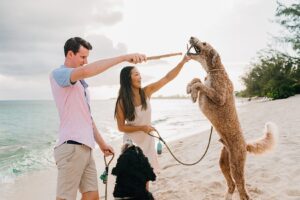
(76, 169)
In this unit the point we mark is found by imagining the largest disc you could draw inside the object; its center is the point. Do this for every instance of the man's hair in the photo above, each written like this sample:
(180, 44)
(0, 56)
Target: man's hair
(73, 44)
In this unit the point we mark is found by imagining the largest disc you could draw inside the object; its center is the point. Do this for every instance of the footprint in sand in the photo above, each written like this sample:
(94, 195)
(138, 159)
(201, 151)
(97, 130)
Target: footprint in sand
(293, 192)
(255, 190)
(274, 179)
(215, 185)
(168, 166)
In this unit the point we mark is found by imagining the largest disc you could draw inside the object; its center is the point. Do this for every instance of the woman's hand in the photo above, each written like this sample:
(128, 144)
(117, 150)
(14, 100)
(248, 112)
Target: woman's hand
(148, 129)
(185, 59)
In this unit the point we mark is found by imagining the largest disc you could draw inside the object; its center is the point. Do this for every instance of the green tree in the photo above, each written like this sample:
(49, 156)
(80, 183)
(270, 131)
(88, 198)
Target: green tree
(289, 18)
(276, 74)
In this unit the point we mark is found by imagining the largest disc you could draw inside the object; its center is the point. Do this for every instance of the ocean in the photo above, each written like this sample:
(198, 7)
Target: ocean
(28, 130)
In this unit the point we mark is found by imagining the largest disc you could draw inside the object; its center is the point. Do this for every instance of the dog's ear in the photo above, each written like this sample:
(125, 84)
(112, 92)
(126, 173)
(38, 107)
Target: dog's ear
(213, 54)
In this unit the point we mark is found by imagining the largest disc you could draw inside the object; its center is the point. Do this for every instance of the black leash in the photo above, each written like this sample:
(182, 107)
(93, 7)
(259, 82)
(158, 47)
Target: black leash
(186, 164)
(104, 176)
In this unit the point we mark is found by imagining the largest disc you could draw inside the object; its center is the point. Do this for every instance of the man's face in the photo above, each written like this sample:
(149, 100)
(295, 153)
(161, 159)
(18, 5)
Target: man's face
(80, 58)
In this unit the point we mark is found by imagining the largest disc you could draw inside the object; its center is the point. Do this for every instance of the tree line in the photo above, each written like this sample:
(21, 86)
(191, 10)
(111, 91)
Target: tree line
(276, 74)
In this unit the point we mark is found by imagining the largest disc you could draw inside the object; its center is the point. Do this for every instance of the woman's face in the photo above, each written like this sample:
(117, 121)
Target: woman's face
(135, 78)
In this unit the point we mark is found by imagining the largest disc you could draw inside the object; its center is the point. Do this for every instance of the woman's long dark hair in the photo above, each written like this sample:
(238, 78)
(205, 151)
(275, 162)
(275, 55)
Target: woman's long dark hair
(125, 97)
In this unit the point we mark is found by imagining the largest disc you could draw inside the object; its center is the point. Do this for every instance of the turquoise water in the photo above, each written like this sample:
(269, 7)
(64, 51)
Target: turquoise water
(28, 130)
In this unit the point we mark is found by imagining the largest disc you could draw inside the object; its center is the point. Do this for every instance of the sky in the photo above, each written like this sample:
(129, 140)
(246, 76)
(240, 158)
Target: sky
(33, 32)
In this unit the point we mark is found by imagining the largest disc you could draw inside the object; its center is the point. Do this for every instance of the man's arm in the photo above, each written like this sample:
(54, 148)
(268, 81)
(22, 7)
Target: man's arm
(99, 66)
(150, 89)
(105, 148)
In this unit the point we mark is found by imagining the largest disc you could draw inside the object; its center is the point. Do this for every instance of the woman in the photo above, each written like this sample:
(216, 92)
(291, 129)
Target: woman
(133, 109)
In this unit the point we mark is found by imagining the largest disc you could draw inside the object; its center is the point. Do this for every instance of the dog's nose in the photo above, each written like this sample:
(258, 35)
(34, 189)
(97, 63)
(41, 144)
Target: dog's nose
(192, 38)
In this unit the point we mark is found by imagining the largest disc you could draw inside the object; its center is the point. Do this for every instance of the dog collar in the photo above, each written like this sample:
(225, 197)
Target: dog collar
(215, 70)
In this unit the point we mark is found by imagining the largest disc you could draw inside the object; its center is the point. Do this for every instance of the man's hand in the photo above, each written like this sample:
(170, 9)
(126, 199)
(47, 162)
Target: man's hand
(136, 58)
(107, 150)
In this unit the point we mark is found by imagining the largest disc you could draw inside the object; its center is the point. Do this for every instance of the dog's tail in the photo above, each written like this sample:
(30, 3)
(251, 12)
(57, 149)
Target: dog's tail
(267, 142)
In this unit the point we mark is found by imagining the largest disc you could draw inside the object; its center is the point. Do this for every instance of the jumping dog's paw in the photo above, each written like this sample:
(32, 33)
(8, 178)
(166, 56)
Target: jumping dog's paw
(195, 80)
(189, 86)
(194, 94)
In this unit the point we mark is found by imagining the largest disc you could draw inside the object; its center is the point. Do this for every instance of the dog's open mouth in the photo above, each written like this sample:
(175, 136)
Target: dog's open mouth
(193, 49)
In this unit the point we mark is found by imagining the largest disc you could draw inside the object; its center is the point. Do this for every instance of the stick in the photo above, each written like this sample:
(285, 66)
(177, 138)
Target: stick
(163, 56)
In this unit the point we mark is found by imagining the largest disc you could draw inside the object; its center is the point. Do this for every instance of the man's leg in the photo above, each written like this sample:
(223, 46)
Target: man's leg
(70, 164)
(89, 182)
(90, 195)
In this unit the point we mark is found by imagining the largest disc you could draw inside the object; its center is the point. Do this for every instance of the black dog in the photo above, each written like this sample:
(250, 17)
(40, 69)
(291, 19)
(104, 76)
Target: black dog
(133, 171)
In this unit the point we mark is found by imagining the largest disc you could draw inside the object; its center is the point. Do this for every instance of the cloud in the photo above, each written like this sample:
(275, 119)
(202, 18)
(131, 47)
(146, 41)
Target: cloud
(33, 32)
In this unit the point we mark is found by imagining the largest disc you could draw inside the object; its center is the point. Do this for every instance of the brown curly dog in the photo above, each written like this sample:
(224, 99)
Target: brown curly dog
(217, 102)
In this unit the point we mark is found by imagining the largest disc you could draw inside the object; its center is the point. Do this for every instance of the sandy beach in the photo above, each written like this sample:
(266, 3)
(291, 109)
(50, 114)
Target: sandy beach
(272, 176)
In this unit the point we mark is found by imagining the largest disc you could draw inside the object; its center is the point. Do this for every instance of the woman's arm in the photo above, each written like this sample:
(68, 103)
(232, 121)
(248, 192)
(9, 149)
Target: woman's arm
(153, 87)
(129, 128)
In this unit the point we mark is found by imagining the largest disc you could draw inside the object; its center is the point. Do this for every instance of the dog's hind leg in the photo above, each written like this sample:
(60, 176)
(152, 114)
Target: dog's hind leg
(237, 160)
(225, 167)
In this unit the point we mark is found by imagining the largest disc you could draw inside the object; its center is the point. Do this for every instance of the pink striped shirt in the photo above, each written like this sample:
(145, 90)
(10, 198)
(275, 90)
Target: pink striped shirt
(72, 102)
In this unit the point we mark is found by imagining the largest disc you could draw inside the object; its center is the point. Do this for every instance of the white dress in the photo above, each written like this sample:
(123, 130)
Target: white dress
(142, 139)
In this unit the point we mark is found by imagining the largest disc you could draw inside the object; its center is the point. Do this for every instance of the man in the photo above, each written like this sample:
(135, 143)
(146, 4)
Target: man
(77, 131)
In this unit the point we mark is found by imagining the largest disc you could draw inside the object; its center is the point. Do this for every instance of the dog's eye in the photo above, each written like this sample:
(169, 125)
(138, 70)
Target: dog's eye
(204, 43)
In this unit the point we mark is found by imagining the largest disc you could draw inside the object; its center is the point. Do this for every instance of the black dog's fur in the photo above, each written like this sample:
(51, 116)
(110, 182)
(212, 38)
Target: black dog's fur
(133, 171)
